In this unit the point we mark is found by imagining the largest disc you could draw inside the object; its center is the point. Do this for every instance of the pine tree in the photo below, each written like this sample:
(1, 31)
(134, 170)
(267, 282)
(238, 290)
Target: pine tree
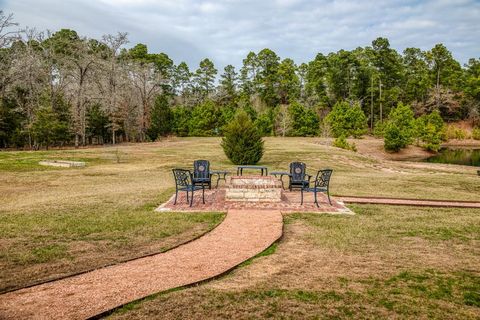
(242, 142)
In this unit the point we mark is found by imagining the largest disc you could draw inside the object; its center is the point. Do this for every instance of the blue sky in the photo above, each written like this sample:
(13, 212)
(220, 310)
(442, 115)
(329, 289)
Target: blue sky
(225, 31)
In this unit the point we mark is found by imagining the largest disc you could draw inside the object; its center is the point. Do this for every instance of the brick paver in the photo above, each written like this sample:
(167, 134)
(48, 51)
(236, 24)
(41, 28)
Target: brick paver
(215, 201)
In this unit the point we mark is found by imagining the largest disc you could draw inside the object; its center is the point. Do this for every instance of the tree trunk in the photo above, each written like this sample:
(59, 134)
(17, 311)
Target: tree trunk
(380, 99)
(371, 107)
(438, 89)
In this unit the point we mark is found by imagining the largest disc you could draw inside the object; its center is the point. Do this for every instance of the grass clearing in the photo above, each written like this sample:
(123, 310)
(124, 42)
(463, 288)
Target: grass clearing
(57, 221)
(381, 263)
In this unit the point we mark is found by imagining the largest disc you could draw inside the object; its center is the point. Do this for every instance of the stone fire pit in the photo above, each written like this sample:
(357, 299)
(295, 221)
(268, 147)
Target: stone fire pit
(254, 189)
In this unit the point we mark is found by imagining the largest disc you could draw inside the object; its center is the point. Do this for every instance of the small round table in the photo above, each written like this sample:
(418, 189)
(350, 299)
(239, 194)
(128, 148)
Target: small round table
(281, 174)
(261, 168)
(221, 175)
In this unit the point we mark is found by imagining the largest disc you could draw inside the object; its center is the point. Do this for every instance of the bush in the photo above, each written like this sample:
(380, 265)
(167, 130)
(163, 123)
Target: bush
(476, 133)
(347, 120)
(378, 129)
(399, 129)
(264, 124)
(341, 142)
(46, 128)
(242, 142)
(161, 123)
(181, 116)
(204, 120)
(454, 132)
(304, 120)
(430, 129)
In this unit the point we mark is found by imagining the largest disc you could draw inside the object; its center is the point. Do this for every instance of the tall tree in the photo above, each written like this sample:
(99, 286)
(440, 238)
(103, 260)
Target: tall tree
(445, 72)
(205, 77)
(267, 76)
(288, 82)
(228, 82)
(113, 77)
(182, 81)
(390, 74)
(316, 82)
(416, 75)
(248, 74)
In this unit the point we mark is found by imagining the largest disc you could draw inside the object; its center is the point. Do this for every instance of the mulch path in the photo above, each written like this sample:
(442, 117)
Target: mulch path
(410, 202)
(242, 235)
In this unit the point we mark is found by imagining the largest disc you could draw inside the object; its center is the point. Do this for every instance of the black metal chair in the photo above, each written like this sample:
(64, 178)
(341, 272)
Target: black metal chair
(298, 176)
(184, 182)
(321, 184)
(201, 173)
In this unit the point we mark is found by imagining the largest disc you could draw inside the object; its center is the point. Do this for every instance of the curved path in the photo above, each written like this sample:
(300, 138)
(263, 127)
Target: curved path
(242, 235)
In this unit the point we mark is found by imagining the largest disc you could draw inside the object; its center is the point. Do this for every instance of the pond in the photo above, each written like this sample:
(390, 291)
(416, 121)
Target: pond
(464, 156)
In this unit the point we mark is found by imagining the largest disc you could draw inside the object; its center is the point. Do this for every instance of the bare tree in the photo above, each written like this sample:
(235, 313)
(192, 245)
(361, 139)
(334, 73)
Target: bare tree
(147, 83)
(113, 77)
(6, 36)
(283, 120)
(79, 65)
(31, 76)
(7, 58)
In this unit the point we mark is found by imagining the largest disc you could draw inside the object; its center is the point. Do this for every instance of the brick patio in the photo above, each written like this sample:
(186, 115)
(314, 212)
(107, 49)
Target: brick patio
(290, 202)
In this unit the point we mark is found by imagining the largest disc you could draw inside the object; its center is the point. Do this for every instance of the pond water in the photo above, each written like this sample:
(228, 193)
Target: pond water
(464, 156)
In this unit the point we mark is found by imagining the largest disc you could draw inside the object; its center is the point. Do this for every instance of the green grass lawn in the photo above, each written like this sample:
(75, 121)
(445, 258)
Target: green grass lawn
(383, 262)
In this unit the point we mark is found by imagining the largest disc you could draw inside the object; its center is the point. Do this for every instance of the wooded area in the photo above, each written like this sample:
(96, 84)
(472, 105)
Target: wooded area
(59, 88)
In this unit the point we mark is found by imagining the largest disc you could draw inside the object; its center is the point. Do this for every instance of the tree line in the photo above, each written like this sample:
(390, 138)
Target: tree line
(60, 88)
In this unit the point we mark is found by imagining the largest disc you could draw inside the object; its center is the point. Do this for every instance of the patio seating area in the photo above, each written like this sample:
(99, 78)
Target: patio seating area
(253, 191)
(215, 201)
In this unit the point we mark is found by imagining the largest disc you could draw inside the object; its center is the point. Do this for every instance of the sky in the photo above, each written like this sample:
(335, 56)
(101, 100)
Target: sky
(225, 31)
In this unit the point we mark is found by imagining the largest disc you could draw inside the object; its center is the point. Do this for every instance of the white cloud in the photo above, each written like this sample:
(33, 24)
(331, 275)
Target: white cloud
(226, 31)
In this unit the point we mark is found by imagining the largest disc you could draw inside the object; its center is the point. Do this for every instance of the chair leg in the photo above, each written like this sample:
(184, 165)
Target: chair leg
(203, 195)
(187, 197)
(301, 196)
(328, 194)
(176, 195)
(316, 201)
(191, 199)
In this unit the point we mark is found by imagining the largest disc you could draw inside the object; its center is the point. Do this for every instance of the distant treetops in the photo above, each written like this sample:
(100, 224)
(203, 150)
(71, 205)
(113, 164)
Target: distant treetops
(62, 88)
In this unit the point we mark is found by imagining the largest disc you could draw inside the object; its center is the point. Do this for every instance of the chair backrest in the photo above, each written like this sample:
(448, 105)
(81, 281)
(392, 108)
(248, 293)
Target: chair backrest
(201, 169)
(322, 180)
(182, 177)
(298, 170)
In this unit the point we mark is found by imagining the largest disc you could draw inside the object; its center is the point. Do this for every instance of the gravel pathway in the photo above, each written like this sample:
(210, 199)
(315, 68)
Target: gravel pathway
(410, 202)
(242, 235)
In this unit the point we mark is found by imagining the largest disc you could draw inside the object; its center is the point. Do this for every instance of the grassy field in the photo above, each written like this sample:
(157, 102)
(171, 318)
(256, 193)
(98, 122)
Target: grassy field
(385, 261)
